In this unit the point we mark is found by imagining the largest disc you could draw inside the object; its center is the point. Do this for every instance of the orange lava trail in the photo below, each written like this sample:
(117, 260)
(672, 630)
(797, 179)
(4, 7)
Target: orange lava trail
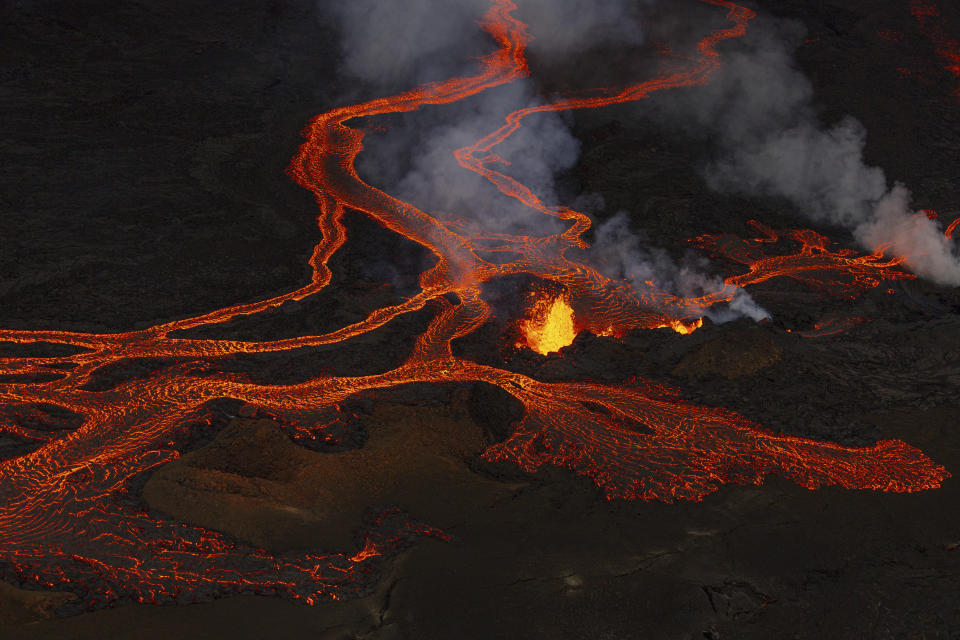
(599, 302)
(951, 228)
(831, 327)
(926, 12)
(63, 520)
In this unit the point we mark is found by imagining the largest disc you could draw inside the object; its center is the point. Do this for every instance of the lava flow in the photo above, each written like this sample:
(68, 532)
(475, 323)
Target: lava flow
(65, 522)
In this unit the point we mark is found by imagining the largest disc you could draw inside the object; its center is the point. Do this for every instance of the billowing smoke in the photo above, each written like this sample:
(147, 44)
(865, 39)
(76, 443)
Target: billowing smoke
(620, 253)
(433, 180)
(428, 40)
(396, 45)
(407, 41)
(564, 27)
(759, 109)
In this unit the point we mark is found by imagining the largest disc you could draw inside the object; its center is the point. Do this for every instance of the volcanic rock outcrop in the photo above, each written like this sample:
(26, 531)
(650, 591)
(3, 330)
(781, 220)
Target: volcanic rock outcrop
(255, 484)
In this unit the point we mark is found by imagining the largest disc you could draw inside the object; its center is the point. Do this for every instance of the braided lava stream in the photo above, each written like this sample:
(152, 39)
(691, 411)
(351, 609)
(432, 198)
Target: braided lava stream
(64, 519)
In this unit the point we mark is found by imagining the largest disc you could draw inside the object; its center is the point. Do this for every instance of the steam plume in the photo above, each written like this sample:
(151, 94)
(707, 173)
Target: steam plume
(426, 40)
(620, 253)
(759, 108)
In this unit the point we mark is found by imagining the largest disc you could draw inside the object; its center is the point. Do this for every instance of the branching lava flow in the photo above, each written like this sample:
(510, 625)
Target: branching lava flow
(63, 522)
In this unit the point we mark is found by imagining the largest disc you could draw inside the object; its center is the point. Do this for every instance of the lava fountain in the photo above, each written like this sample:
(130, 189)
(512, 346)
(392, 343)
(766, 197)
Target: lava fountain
(549, 325)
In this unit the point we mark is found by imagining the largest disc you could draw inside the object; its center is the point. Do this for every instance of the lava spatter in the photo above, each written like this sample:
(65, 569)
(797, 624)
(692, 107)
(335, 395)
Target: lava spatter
(64, 522)
(951, 228)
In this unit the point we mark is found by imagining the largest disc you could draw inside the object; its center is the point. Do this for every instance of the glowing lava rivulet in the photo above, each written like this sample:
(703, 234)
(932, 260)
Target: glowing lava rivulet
(64, 522)
(550, 325)
(926, 13)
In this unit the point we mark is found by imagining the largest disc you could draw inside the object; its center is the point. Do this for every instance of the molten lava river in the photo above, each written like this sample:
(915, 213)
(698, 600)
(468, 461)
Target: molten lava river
(67, 520)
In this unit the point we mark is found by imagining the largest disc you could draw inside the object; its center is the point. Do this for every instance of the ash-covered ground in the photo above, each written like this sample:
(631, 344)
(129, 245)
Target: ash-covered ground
(143, 152)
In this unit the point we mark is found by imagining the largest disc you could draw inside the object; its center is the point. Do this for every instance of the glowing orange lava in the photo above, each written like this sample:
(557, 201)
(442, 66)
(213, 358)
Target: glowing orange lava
(549, 326)
(682, 327)
(926, 12)
(65, 521)
(831, 327)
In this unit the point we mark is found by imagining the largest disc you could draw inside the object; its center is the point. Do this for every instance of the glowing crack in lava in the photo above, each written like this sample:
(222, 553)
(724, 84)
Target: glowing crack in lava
(64, 518)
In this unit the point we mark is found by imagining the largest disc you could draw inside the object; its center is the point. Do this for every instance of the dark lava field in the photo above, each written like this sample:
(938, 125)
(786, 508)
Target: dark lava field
(143, 157)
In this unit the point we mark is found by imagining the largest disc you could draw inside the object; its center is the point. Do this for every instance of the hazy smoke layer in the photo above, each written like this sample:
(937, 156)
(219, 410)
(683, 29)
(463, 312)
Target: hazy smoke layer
(563, 27)
(400, 44)
(621, 254)
(426, 40)
(759, 109)
(414, 160)
(407, 40)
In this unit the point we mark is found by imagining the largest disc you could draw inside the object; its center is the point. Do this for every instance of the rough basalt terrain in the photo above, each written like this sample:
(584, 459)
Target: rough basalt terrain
(142, 157)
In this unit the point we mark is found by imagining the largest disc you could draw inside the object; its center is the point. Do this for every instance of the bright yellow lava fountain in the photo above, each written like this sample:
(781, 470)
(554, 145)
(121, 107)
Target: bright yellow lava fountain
(549, 327)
